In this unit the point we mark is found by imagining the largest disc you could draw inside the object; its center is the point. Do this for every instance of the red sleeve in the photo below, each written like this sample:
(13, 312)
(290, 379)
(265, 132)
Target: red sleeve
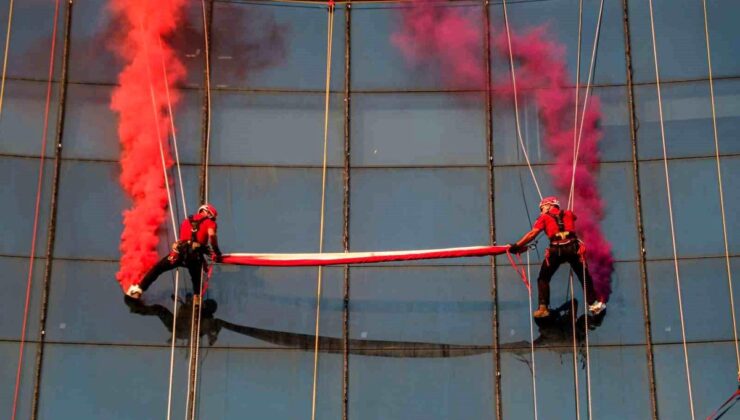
(573, 215)
(539, 224)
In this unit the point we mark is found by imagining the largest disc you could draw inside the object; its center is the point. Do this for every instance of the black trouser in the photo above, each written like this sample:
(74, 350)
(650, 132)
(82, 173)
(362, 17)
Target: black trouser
(558, 254)
(194, 262)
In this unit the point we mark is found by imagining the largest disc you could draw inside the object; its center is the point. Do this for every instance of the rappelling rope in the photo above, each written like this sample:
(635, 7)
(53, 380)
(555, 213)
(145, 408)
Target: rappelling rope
(195, 318)
(670, 211)
(185, 211)
(516, 101)
(571, 195)
(531, 341)
(721, 192)
(37, 207)
(208, 95)
(329, 37)
(5, 54)
(570, 275)
(169, 197)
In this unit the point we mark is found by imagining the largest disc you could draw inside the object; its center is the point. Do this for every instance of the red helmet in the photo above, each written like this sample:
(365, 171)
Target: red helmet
(551, 201)
(208, 208)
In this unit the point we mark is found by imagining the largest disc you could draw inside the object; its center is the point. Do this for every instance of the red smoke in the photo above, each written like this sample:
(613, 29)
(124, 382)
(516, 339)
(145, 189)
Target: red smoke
(447, 39)
(144, 125)
(541, 75)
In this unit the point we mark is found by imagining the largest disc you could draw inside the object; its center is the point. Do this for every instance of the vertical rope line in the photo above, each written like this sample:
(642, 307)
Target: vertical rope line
(721, 192)
(516, 100)
(588, 351)
(169, 201)
(37, 206)
(172, 128)
(670, 211)
(185, 211)
(5, 55)
(531, 342)
(329, 36)
(587, 95)
(155, 112)
(577, 89)
(574, 331)
(208, 97)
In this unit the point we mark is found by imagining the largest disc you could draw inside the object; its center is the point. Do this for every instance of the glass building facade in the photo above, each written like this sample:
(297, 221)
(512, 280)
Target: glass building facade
(411, 165)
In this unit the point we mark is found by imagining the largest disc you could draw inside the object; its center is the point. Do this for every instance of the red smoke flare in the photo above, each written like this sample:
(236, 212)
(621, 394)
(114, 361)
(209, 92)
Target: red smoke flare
(448, 40)
(143, 125)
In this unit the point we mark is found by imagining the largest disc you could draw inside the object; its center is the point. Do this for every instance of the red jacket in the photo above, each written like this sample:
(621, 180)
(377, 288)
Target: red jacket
(549, 224)
(202, 235)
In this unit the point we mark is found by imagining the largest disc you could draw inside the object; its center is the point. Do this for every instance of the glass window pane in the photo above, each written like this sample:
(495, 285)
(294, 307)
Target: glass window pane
(95, 382)
(687, 117)
(284, 47)
(723, 29)
(679, 31)
(268, 384)
(731, 182)
(276, 209)
(18, 195)
(695, 196)
(400, 388)
(516, 203)
(418, 129)
(379, 64)
(703, 286)
(30, 39)
(623, 324)
(272, 307)
(436, 305)
(8, 371)
(15, 272)
(91, 127)
(614, 143)
(560, 20)
(713, 378)
(620, 388)
(22, 125)
(276, 129)
(419, 209)
(93, 60)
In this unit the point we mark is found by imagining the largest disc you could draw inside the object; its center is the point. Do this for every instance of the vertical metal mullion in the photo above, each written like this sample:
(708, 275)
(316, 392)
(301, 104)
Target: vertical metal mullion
(492, 211)
(206, 117)
(638, 209)
(345, 209)
(53, 206)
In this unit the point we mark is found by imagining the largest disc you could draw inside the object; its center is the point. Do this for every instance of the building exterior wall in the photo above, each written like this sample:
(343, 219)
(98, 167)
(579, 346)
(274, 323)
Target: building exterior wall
(409, 167)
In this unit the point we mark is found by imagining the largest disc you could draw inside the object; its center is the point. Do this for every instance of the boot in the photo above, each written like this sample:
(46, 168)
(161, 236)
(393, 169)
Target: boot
(596, 308)
(134, 291)
(542, 312)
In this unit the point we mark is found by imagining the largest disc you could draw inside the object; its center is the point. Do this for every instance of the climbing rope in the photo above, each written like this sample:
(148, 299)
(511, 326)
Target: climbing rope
(5, 54)
(516, 101)
(329, 37)
(721, 192)
(185, 214)
(531, 341)
(156, 115)
(39, 186)
(208, 96)
(670, 211)
(587, 95)
(575, 153)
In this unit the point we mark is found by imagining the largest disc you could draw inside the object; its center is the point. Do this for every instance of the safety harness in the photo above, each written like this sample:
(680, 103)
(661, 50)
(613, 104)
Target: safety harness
(563, 237)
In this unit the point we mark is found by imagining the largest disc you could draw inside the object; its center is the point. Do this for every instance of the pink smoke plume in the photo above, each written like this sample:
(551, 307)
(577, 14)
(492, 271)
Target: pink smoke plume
(541, 75)
(143, 126)
(447, 39)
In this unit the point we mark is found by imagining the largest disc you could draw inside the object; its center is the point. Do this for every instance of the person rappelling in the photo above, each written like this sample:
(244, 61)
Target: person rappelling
(197, 232)
(565, 246)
